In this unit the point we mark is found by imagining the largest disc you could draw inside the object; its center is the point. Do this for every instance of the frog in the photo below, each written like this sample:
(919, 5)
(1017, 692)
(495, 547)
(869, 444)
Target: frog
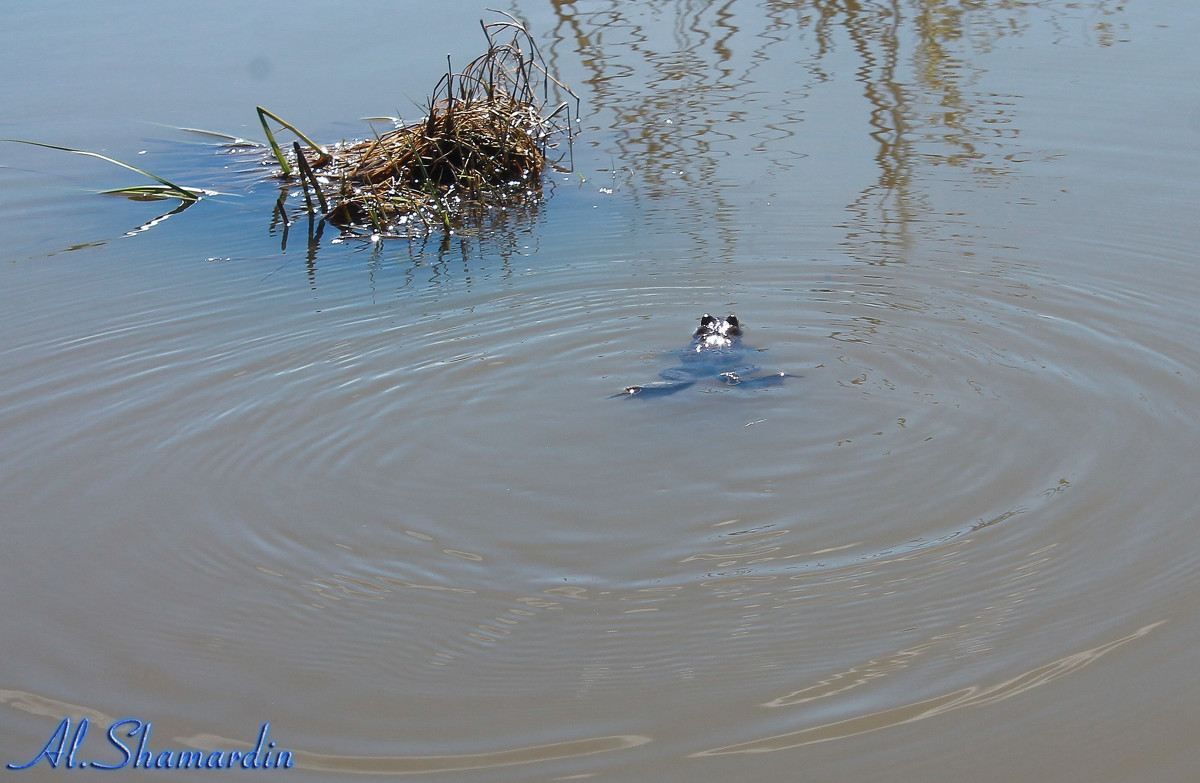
(715, 353)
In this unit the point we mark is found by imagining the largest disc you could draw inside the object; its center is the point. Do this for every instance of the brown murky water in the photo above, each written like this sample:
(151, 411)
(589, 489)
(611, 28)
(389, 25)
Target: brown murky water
(377, 495)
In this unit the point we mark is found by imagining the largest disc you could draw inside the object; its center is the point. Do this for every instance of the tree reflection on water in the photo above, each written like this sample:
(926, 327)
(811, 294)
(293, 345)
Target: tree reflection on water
(703, 97)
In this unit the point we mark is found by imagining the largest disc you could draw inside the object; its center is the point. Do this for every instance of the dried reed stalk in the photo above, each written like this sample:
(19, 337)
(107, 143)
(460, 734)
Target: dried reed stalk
(483, 141)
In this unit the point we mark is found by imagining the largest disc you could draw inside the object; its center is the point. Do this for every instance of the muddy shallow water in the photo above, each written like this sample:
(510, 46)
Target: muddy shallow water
(377, 495)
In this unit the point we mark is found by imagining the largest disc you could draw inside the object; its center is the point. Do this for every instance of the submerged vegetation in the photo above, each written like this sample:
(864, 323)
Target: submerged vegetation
(164, 188)
(481, 146)
(161, 190)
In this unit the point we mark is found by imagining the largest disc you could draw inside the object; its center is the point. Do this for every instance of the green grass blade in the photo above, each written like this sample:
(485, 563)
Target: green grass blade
(177, 191)
(142, 193)
(230, 139)
(283, 164)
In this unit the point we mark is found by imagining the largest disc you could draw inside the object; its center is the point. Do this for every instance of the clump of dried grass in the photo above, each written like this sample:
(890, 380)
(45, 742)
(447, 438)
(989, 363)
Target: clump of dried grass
(483, 142)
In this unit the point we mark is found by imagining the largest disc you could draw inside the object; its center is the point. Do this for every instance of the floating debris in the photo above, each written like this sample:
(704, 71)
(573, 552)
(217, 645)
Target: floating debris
(482, 144)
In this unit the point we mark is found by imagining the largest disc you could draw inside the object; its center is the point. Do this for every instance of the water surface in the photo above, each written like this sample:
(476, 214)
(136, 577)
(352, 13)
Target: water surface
(377, 493)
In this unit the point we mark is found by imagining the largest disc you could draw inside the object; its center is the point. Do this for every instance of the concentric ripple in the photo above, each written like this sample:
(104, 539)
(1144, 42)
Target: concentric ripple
(389, 496)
